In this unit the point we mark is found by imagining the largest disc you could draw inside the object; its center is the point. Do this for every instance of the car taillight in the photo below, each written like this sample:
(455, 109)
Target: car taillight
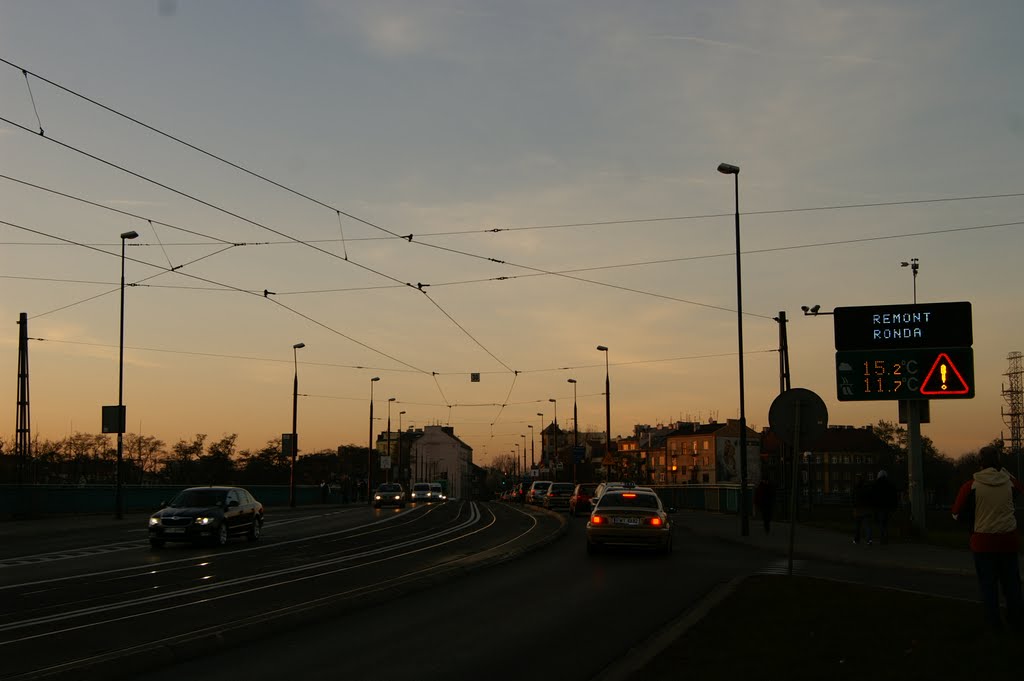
(655, 522)
(597, 520)
(629, 495)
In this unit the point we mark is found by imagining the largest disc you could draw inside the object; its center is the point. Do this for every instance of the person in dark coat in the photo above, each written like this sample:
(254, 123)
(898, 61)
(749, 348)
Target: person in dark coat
(884, 503)
(764, 500)
(986, 501)
(863, 501)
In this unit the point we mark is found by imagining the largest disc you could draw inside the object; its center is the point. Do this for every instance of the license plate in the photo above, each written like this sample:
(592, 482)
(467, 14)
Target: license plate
(626, 521)
(174, 530)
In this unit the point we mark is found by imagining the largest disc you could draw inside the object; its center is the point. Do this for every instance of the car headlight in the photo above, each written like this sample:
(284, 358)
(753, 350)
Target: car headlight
(377, 498)
(205, 520)
(397, 498)
(154, 521)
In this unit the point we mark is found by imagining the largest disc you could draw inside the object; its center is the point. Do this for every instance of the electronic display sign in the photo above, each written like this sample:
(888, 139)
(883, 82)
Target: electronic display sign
(911, 374)
(884, 327)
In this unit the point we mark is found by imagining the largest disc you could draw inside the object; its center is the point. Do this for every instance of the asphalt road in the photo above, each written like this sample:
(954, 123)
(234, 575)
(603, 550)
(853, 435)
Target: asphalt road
(361, 594)
(101, 603)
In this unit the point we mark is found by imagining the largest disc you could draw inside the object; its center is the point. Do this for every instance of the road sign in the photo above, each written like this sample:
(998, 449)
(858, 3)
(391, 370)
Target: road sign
(883, 327)
(911, 374)
(782, 416)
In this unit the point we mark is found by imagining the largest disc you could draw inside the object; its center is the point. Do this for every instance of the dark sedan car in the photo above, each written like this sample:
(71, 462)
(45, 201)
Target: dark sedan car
(207, 513)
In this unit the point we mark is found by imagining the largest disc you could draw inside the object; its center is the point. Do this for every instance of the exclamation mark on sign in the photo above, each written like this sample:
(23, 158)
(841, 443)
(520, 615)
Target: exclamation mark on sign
(942, 369)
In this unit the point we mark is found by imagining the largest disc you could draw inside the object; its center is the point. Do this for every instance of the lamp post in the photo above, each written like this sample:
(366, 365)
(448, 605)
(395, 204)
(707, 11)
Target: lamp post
(532, 459)
(400, 438)
(295, 423)
(541, 415)
(729, 169)
(553, 459)
(388, 476)
(607, 400)
(369, 449)
(119, 473)
(524, 451)
(575, 428)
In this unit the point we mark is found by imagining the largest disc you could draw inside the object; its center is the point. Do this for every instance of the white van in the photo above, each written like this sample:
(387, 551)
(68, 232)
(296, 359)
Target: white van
(420, 492)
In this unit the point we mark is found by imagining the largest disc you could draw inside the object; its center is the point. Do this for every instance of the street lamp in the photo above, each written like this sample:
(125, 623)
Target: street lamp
(532, 459)
(295, 422)
(369, 449)
(728, 169)
(524, 450)
(400, 438)
(541, 415)
(552, 460)
(913, 265)
(390, 400)
(119, 474)
(575, 421)
(607, 401)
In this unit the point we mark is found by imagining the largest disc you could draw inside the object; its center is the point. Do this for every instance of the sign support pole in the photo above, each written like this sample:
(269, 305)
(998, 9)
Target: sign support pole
(916, 466)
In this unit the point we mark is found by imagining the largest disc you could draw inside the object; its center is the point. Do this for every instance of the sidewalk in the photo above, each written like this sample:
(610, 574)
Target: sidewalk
(812, 542)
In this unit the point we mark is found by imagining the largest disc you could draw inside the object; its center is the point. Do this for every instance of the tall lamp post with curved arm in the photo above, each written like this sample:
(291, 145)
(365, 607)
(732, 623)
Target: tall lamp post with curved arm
(533, 459)
(118, 472)
(575, 428)
(390, 400)
(295, 423)
(729, 169)
(607, 400)
(369, 448)
(553, 458)
(541, 415)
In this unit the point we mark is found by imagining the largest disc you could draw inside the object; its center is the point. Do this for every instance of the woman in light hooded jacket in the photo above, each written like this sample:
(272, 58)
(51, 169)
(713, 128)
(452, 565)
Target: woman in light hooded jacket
(986, 501)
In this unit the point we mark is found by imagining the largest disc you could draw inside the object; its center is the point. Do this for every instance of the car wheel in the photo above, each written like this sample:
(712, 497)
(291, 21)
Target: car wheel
(156, 542)
(666, 550)
(222, 535)
(592, 549)
(256, 529)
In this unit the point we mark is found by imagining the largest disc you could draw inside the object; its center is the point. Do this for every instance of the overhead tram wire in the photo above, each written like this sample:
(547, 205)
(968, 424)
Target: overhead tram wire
(227, 286)
(203, 202)
(118, 211)
(542, 272)
(410, 238)
(234, 215)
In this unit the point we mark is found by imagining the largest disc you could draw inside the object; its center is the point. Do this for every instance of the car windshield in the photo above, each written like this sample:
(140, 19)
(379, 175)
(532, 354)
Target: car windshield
(421, 487)
(386, 487)
(587, 489)
(562, 487)
(199, 497)
(541, 486)
(628, 500)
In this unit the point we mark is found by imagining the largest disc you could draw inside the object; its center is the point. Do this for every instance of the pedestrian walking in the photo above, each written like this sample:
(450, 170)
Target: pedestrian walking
(884, 500)
(863, 499)
(764, 501)
(986, 502)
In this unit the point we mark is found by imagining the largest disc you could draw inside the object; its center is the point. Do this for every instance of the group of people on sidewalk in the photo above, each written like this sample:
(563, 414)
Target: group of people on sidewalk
(874, 501)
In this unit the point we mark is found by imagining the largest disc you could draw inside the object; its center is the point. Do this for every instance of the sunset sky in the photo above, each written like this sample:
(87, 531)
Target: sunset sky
(426, 189)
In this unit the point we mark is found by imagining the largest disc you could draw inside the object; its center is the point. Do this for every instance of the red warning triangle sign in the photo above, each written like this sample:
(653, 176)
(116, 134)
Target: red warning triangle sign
(944, 378)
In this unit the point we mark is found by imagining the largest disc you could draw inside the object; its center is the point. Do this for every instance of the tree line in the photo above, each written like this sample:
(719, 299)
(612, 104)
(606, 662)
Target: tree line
(87, 458)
